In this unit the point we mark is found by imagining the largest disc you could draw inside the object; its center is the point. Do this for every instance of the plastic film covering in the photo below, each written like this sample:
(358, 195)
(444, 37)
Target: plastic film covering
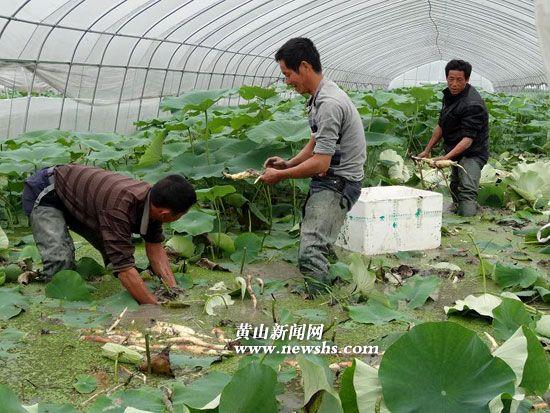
(118, 57)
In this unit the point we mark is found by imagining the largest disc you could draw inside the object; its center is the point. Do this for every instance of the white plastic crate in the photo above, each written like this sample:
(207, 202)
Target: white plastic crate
(391, 219)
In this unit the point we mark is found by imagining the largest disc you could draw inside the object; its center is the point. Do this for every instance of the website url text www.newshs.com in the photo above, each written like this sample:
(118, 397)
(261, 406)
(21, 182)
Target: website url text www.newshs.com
(323, 348)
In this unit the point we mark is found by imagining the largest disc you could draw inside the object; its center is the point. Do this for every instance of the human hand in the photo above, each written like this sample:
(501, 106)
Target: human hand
(131, 280)
(272, 176)
(276, 162)
(424, 154)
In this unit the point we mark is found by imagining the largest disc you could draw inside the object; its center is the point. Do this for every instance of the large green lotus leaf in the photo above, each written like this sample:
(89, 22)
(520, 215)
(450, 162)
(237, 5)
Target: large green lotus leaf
(347, 393)
(514, 352)
(153, 153)
(490, 246)
(87, 267)
(39, 155)
(45, 135)
(199, 100)
(68, 285)
(374, 312)
(340, 270)
(145, 399)
(202, 394)
(394, 166)
(510, 403)
(251, 242)
(173, 149)
(290, 131)
(379, 98)
(525, 355)
(368, 388)
(9, 167)
(104, 138)
(104, 157)
(360, 389)
(376, 124)
(316, 377)
(378, 139)
(415, 291)
(483, 305)
(531, 181)
(280, 240)
(490, 175)
(491, 195)
(222, 241)
(536, 373)
(251, 390)
(116, 303)
(422, 95)
(255, 159)
(513, 275)
(11, 302)
(182, 245)
(250, 92)
(92, 144)
(363, 277)
(151, 174)
(195, 222)
(195, 166)
(9, 401)
(442, 367)
(29, 252)
(231, 148)
(243, 120)
(508, 317)
(215, 192)
(330, 403)
(184, 360)
(408, 107)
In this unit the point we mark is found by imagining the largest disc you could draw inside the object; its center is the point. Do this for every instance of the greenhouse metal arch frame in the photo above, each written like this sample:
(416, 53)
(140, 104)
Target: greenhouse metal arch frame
(111, 64)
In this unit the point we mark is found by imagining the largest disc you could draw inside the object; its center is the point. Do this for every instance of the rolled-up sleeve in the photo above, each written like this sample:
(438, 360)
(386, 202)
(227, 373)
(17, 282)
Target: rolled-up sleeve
(472, 120)
(329, 119)
(116, 233)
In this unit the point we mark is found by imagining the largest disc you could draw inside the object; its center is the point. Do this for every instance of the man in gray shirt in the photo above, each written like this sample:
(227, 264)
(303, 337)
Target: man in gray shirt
(333, 158)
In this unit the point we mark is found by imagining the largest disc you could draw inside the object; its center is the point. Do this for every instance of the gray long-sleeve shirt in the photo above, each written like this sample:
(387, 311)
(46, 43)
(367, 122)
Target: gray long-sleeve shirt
(338, 130)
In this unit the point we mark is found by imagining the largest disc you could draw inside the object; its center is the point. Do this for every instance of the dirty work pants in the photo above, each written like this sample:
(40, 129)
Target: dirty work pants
(53, 240)
(465, 185)
(50, 229)
(323, 217)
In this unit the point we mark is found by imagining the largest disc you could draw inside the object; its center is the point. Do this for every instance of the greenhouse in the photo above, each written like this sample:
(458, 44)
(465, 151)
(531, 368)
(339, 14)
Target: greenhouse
(332, 206)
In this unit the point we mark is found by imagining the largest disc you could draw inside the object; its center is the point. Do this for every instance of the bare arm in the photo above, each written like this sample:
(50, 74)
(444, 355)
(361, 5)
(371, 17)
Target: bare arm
(436, 136)
(315, 165)
(460, 147)
(130, 279)
(160, 263)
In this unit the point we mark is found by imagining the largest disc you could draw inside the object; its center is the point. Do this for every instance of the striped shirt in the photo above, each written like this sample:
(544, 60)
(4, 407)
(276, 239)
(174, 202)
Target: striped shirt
(111, 204)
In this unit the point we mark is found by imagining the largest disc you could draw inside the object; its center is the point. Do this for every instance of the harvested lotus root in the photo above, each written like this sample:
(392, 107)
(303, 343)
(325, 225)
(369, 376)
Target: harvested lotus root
(249, 173)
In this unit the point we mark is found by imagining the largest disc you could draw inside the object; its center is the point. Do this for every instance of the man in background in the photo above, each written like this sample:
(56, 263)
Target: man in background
(464, 126)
